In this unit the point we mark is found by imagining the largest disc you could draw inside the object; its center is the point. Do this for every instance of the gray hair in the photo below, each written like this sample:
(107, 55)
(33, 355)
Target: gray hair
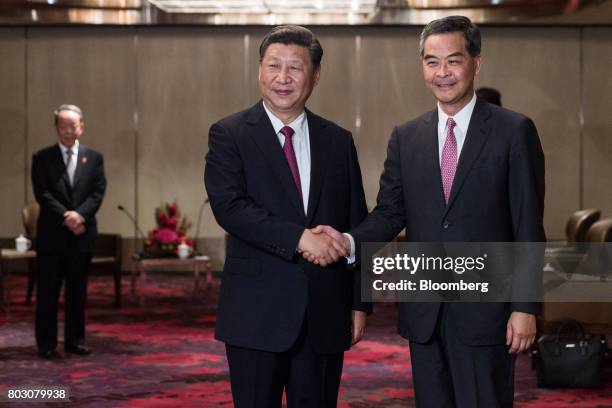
(66, 107)
(453, 24)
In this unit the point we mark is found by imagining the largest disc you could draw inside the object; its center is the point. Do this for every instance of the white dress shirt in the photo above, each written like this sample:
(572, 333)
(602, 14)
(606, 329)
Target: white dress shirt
(462, 120)
(301, 147)
(71, 169)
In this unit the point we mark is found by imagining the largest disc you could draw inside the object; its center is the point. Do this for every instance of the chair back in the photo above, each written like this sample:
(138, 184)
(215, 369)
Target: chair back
(579, 223)
(601, 231)
(108, 245)
(29, 216)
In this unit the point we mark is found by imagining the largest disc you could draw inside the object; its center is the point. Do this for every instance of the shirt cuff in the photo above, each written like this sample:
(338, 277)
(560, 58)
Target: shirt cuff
(351, 258)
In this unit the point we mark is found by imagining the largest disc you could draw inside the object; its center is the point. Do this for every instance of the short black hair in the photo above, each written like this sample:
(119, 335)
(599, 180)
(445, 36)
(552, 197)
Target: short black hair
(490, 95)
(293, 34)
(453, 24)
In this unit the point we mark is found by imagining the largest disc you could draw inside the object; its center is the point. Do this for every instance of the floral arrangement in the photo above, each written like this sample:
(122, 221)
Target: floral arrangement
(171, 231)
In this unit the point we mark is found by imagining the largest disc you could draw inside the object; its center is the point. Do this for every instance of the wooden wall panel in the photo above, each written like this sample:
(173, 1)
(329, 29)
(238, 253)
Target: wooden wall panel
(93, 68)
(187, 79)
(597, 154)
(150, 95)
(391, 91)
(537, 71)
(12, 130)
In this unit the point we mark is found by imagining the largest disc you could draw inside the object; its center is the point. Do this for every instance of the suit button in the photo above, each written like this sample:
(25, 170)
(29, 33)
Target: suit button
(446, 225)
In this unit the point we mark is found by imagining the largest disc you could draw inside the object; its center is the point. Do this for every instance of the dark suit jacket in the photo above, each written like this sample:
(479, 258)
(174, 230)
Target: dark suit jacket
(267, 288)
(497, 196)
(55, 196)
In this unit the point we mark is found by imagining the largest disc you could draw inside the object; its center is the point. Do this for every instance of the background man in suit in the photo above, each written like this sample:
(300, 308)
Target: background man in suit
(69, 183)
(272, 171)
(466, 171)
(490, 95)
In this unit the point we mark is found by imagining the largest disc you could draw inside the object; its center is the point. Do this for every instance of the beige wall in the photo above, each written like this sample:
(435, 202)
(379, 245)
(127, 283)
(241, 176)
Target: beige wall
(187, 79)
(597, 133)
(150, 95)
(94, 69)
(13, 156)
(538, 73)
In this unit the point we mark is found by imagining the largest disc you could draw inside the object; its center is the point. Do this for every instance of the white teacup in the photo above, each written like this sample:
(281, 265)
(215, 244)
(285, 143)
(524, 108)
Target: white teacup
(184, 251)
(22, 244)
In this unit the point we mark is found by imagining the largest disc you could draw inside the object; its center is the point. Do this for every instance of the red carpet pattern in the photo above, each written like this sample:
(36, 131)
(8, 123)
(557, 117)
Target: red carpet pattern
(162, 354)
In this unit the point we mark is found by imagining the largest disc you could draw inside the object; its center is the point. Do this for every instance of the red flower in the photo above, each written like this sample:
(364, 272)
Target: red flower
(172, 209)
(171, 223)
(171, 229)
(166, 236)
(163, 218)
(182, 239)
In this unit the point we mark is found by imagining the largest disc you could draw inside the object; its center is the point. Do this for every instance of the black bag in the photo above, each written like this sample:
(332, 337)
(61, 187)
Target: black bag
(570, 362)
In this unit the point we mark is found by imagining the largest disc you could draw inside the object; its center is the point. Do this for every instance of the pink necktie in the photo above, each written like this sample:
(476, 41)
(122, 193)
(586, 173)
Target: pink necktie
(448, 163)
(287, 131)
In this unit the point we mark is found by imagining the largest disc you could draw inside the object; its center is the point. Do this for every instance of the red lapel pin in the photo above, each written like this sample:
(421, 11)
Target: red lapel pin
(83, 160)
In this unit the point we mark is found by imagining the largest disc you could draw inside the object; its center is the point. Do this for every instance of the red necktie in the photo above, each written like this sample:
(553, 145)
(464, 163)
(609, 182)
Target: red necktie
(287, 131)
(448, 162)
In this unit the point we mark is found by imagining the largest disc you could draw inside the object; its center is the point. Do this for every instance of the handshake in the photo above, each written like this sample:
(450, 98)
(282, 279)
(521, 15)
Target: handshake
(324, 245)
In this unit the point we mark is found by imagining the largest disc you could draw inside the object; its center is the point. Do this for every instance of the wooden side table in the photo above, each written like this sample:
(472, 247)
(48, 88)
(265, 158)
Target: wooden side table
(140, 265)
(7, 256)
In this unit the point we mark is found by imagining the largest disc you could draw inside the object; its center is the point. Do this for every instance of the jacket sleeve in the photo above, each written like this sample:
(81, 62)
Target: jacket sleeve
(358, 212)
(90, 206)
(234, 209)
(388, 217)
(42, 190)
(526, 188)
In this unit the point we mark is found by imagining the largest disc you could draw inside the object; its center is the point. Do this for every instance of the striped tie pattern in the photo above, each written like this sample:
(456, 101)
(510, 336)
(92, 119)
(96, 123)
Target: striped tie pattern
(288, 132)
(448, 162)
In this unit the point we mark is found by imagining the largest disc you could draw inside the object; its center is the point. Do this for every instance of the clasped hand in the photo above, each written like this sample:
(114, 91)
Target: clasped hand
(324, 245)
(74, 222)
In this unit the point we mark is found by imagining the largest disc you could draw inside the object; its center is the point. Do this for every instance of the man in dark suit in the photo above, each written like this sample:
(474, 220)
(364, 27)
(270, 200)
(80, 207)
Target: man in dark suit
(273, 171)
(468, 171)
(69, 183)
(490, 95)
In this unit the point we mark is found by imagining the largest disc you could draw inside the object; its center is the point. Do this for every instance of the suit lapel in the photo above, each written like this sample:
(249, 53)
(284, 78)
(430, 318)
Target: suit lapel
(476, 136)
(265, 138)
(80, 164)
(319, 157)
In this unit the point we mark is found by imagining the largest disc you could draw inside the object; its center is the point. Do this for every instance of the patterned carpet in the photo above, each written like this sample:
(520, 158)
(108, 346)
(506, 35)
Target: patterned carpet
(162, 354)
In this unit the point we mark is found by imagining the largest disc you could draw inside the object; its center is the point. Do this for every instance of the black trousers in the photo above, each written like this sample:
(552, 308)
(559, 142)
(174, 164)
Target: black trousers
(258, 378)
(448, 373)
(52, 270)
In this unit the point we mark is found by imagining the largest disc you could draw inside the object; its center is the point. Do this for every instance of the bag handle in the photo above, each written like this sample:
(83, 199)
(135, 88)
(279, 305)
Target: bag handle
(581, 337)
(567, 324)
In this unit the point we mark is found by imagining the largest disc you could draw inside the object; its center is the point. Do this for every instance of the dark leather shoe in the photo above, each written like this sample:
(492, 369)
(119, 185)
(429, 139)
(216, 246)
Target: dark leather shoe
(79, 350)
(49, 354)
